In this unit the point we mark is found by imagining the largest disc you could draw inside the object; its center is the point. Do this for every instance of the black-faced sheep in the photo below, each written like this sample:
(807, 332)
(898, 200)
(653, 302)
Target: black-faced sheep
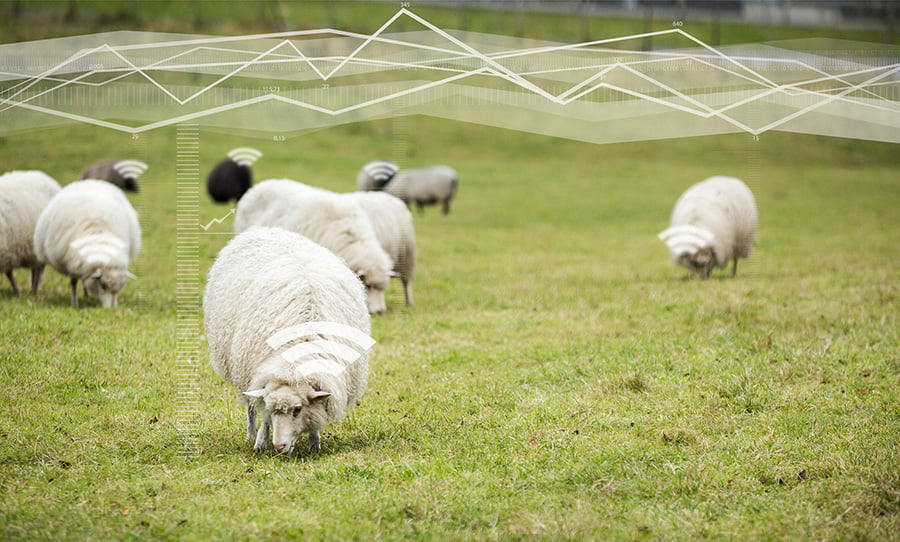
(90, 232)
(287, 325)
(122, 173)
(23, 195)
(228, 180)
(375, 174)
(713, 222)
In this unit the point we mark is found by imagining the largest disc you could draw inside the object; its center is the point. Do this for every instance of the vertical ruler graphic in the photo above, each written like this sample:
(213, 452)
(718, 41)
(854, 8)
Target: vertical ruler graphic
(139, 152)
(187, 288)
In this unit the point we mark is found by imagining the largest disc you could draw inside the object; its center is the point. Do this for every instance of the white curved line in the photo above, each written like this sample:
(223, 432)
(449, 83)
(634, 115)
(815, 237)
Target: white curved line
(320, 366)
(310, 348)
(86, 241)
(687, 229)
(288, 334)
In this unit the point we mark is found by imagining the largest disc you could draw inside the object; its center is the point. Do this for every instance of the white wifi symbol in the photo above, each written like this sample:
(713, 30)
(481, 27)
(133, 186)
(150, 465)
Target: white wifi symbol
(244, 156)
(686, 238)
(99, 248)
(130, 169)
(381, 170)
(321, 355)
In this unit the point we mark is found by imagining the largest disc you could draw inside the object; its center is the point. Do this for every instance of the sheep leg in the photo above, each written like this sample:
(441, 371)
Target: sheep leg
(734, 268)
(314, 443)
(36, 274)
(74, 282)
(12, 281)
(407, 292)
(446, 207)
(251, 422)
(262, 437)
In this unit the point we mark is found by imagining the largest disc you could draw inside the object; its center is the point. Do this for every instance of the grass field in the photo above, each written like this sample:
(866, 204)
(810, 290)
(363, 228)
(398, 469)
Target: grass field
(556, 379)
(557, 376)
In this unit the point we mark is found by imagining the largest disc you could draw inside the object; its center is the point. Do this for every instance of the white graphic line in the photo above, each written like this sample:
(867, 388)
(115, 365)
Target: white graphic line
(705, 85)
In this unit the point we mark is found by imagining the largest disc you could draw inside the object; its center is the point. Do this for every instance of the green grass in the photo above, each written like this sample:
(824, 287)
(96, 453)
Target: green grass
(557, 378)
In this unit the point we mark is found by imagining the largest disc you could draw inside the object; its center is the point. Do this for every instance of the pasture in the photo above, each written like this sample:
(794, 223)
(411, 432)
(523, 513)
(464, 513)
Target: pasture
(557, 378)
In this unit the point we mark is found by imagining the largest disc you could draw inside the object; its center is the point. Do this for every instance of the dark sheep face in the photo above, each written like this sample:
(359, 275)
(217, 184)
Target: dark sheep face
(228, 181)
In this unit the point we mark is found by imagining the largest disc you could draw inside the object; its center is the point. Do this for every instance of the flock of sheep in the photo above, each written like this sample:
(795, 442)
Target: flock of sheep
(87, 231)
(294, 340)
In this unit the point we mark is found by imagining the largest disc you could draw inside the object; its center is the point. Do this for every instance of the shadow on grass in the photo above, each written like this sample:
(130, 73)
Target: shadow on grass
(218, 443)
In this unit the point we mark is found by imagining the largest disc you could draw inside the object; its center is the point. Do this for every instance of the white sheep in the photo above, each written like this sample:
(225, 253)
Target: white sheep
(287, 325)
(90, 232)
(23, 195)
(394, 229)
(425, 186)
(375, 174)
(714, 221)
(336, 223)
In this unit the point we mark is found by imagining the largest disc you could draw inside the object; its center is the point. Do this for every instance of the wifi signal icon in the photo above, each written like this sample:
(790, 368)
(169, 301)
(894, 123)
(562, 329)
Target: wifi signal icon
(99, 248)
(381, 171)
(321, 355)
(244, 156)
(686, 238)
(130, 169)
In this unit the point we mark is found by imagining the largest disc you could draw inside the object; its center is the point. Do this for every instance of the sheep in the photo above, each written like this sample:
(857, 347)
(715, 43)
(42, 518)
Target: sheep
(90, 232)
(228, 180)
(425, 186)
(268, 288)
(336, 223)
(23, 195)
(122, 173)
(394, 229)
(375, 174)
(714, 221)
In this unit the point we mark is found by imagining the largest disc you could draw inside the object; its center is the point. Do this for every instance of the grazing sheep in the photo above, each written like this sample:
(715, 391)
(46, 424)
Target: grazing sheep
(714, 221)
(394, 229)
(268, 289)
(425, 186)
(90, 232)
(122, 173)
(228, 180)
(336, 223)
(23, 195)
(375, 174)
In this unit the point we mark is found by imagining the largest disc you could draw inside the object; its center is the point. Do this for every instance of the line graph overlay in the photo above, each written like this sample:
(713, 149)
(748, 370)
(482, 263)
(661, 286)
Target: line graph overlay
(601, 91)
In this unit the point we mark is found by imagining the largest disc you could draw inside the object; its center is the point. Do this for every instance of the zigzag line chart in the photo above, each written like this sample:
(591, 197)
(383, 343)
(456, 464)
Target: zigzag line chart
(601, 91)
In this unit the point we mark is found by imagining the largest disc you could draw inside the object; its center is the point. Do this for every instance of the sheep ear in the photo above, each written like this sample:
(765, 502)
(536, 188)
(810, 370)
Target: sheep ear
(97, 274)
(394, 274)
(316, 395)
(130, 275)
(361, 274)
(256, 393)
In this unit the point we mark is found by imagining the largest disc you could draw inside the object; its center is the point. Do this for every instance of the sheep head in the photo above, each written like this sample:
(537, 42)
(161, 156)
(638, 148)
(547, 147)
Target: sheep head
(292, 410)
(701, 261)
(375, 281)
(105, 283)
